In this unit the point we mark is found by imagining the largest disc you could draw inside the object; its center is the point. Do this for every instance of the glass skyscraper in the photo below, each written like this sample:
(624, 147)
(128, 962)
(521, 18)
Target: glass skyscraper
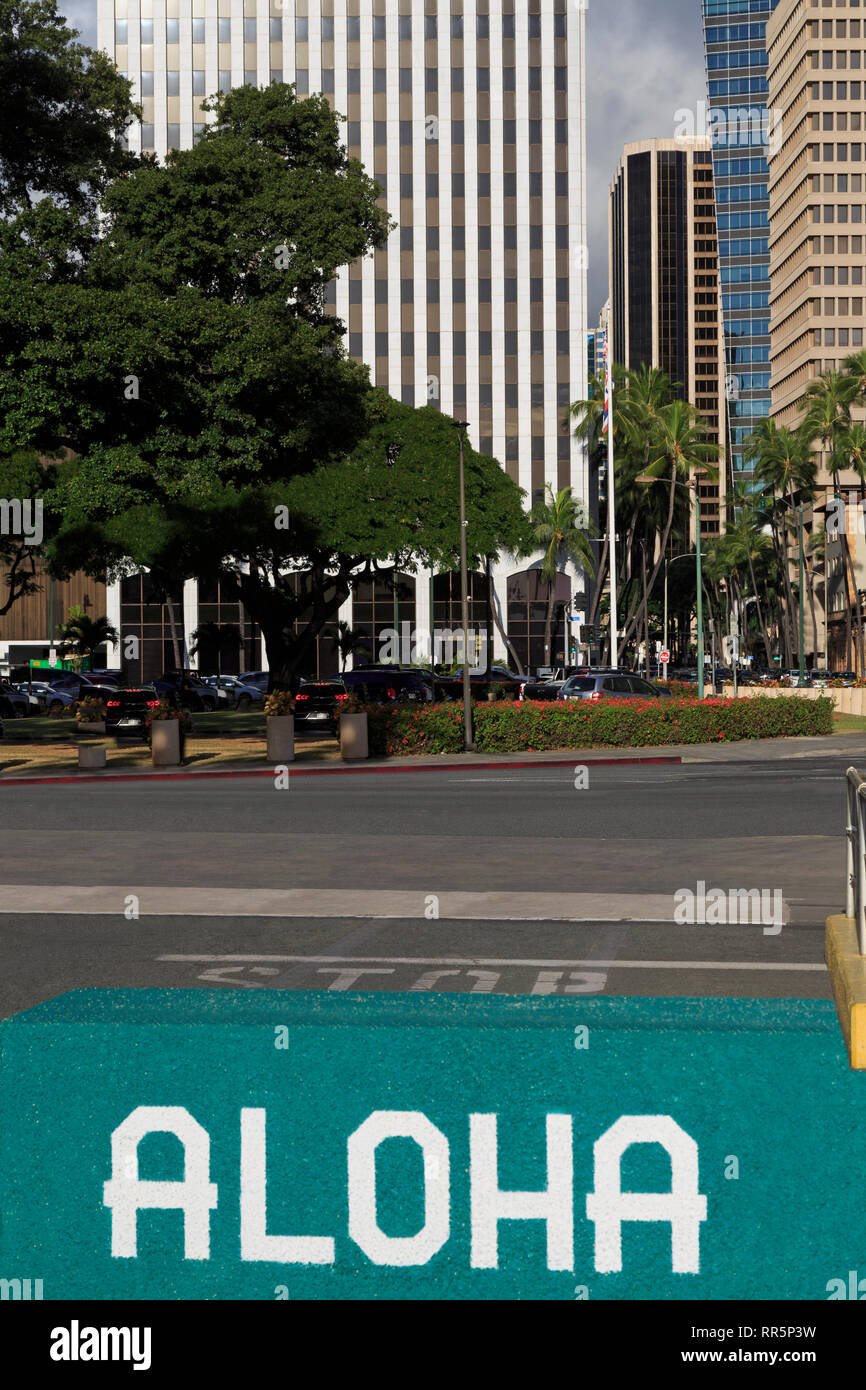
(741, 129)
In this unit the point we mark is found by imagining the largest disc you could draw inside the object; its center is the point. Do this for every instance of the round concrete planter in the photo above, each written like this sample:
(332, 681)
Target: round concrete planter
(281, 738)
(91, 756)
(95, 729)
(353, 737)
(165, 742)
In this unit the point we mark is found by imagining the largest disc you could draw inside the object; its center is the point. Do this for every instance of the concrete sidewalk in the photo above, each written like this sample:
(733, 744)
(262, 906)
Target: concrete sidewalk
(852, 746)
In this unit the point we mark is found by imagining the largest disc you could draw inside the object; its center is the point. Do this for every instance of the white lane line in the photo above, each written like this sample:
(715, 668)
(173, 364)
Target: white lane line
(482, 961)
(162, 901)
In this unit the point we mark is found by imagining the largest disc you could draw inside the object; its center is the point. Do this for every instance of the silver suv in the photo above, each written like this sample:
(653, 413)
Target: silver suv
(610, 686)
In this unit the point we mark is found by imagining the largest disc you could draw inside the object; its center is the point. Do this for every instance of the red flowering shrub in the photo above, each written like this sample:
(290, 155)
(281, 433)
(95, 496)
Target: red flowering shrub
(535, 726)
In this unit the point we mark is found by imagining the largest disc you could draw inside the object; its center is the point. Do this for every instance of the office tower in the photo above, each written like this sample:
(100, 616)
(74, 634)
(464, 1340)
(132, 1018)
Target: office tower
(817, 209)
(664, 282)
(471, 116)
(741, 127)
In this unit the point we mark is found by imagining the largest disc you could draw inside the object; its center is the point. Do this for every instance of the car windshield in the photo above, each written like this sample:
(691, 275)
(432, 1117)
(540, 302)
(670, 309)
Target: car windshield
(581, 683)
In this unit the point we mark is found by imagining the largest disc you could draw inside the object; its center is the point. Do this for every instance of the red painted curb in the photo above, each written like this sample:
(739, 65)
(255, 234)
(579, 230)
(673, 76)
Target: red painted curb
(331, 771)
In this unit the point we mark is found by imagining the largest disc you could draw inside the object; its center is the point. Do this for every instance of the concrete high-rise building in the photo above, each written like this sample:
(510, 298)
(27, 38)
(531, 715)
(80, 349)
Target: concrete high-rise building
(472, 117)
(664, 291)
(817, 259)
(742, 125)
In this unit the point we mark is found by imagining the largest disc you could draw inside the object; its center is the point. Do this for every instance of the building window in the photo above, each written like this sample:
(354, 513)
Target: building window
(172, 136)
(172, 83)
(275, 29)
(198, 89)
(353, 28)
(327, 28)
(198, 31)
(172, 31)
(147, 137)
(120, 31)
(147, 84)
(225, 79)
(301, 29)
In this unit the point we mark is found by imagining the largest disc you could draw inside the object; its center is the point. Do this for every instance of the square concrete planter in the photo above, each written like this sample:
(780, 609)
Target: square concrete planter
(354, 741)
(281, 738)
(95, 729)
(165, 742)
(91, 756)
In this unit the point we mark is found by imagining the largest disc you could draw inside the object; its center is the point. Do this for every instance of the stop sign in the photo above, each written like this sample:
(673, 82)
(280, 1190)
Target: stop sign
(665, 658)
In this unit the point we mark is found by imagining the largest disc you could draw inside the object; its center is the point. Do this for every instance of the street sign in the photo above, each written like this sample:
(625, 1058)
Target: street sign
(52, 664)
(198, 1144)
(664, 658)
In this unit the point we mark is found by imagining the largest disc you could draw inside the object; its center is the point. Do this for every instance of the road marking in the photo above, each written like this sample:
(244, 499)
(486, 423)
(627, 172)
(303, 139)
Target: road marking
(484, 961)
(162, 901)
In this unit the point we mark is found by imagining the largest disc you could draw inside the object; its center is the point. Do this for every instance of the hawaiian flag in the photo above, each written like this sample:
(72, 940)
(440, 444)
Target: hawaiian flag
(607, 384)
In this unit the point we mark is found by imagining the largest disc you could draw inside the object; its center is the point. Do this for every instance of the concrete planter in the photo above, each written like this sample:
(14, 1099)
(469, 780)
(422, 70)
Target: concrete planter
(95, 729)
(281, 738)
(91, 756)
(165, 743)
(353, 737)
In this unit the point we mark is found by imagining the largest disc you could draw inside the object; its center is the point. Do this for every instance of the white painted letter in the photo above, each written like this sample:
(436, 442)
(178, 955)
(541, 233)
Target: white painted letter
(490, 1204)
(256, 1244)
(126, 1195)
(364, 1227)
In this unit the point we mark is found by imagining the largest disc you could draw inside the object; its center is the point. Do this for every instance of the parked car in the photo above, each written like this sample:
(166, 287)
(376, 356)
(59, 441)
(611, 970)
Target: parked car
(422, 677)
(233, 693)
(126, 711)
(13, 705)
(450, 687)
(606, 685)
(257, 678)
(317, 703)
(819, 678)
(189, 688)
(386, 685)
(51, 698)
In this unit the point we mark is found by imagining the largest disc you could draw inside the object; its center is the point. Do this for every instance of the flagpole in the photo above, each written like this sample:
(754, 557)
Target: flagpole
(611, 521)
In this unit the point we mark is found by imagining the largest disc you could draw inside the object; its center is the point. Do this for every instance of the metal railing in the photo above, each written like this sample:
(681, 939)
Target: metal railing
(855, 836)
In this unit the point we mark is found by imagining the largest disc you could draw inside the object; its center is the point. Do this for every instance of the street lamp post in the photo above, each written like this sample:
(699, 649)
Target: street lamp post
(802, 680)
(468, 743)
(692, 484)
(686, 555)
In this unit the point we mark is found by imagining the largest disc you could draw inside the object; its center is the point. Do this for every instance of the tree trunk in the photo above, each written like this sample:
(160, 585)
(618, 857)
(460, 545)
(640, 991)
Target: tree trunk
(765, 631)
(548, 621)
(172, 623)
(497, 618)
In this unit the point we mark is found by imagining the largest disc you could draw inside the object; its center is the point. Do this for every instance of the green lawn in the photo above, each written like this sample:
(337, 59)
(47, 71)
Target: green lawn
(849, 724)
(45, 728)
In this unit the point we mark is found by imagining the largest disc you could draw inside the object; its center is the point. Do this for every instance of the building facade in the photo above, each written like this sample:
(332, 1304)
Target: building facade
(742, 125)
(664, 289)
(817, 83)
(471, 114)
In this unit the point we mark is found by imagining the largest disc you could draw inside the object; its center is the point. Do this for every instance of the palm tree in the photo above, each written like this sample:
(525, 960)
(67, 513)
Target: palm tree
(677, 447)
(564, 530)
(748, 545)
(849, 452)
(347, 642)
(81, 636)
(220, 637)
(785, 468)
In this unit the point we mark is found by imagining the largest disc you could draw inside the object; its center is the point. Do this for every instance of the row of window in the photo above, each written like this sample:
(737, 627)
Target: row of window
(738, 86)
(729, 7)
(832, 244)
(754, 381)
(838, 275)
(836, 91)
(843, 337)
(459, 344)
(742, 193)
(747, 328)
(744, 246)
(841, 307)
(740, 274)
(353, 33)
(736, 33)
(745, 301)
(724, 168)
(535, 185)
(737, 58)
(841, 31)
(741, 221)
(837, 183)
(841, 212)
(457, 291)
(754, 409)
(842, 58)
(408, 132)
(738, 355)
(458, 238)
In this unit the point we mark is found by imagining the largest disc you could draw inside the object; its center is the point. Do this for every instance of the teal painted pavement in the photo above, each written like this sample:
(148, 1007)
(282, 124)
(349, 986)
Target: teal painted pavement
(350, 1117)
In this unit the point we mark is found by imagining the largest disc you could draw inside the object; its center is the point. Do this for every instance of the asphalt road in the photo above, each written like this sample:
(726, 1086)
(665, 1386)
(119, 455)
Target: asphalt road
(485, 881)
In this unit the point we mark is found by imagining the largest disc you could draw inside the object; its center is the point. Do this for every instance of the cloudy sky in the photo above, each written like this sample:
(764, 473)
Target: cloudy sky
(645, 61)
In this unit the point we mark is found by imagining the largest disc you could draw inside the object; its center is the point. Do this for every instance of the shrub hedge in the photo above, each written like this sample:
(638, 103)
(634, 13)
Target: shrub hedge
(533, 726)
